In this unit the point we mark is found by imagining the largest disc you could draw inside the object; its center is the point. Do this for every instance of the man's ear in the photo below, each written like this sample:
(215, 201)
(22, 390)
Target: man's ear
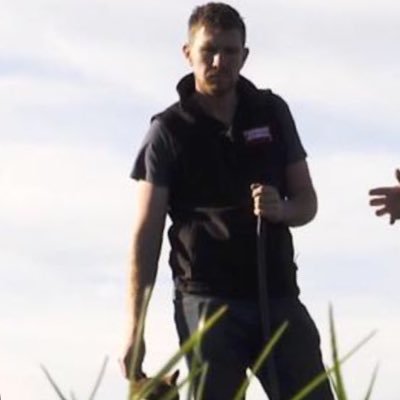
(186, 52)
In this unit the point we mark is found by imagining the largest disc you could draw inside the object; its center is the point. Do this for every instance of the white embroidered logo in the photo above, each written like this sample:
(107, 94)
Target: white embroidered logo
(257, 135)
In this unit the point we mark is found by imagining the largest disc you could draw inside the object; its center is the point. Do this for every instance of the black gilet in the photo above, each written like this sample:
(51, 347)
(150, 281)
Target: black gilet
(213, 231)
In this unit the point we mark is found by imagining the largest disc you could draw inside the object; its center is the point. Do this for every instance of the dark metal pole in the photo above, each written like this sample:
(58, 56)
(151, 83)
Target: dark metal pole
(264, 304)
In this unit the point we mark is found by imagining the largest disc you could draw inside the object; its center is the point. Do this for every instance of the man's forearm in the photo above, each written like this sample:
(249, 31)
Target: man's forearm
(144, 262)
(300, 209)
(148, 227)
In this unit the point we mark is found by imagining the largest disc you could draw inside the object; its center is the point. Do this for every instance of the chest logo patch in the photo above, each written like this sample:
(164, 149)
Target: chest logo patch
(261, 134)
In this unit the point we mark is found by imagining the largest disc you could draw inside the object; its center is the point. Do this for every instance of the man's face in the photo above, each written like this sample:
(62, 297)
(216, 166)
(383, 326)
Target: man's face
(216, 57)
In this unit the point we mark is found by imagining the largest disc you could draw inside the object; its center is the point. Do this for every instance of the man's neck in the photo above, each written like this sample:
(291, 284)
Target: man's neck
(221, 108)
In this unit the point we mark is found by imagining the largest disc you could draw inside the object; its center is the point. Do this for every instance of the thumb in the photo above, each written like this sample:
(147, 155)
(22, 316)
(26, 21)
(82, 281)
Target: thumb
(398, 175)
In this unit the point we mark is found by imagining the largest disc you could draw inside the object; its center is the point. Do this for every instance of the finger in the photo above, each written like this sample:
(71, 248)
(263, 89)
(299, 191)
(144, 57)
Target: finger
(268, 194)
(381, 191)
(256, 194)
(378, 201)
(381, 211)
(256, 189)
(263, 205)
(263, 187)
(255, 185)
(267, 205)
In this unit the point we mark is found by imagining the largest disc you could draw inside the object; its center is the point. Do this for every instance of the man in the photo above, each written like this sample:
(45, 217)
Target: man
(388, 200)
(222, 155)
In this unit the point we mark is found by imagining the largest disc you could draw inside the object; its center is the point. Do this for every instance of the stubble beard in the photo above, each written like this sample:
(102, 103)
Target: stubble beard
(220, 89)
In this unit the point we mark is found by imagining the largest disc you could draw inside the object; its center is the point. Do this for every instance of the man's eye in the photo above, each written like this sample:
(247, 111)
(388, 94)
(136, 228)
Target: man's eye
(228, 51)
(208, 50)
(231, 50)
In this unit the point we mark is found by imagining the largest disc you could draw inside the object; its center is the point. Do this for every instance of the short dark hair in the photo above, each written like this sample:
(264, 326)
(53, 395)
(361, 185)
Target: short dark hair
(217, 16)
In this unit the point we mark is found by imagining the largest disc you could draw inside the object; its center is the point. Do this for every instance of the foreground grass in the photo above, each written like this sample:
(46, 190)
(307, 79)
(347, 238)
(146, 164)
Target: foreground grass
(199, 371)
(93, 392)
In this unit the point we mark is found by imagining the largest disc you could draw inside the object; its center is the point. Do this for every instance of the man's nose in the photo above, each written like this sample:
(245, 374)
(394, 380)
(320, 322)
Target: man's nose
(218, 60)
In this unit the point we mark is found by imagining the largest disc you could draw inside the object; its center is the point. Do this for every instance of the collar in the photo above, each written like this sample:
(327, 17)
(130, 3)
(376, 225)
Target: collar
(186, 87)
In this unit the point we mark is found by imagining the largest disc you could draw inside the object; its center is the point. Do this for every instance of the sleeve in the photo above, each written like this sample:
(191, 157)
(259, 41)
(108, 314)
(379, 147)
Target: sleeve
(154, 160)
(294, 148)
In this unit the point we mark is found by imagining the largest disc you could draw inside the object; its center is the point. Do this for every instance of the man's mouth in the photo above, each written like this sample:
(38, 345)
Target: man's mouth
(219, 75)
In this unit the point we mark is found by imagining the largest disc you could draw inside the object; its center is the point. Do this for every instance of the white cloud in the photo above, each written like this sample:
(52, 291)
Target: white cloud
(40, 182)
(315, 52)
(20, 92)
(345, 218)
(65, 211)
(65, 206)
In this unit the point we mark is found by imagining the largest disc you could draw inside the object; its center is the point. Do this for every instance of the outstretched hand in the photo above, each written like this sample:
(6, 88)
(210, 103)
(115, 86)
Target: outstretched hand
(387, 199)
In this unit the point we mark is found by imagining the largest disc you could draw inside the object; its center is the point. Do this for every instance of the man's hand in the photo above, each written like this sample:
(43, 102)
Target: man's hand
(387, 199)
(130, 371)
(267, 202)
(300, 203)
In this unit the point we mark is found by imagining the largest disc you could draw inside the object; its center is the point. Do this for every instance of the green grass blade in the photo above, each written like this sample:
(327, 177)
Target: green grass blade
(337, 373)
(53, 383)
(260, 360)
(197, 390)
(269, 347)
(202, 382)
(324, 375)
(333, 383)
(190, 379)
(192, 341)
(195, 365)
(185, 348)
(312, 385)
(193, 372)
(372, 383)
(99, 379)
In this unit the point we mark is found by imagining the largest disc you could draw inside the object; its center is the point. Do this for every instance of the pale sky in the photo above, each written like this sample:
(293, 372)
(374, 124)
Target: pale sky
(79, 81)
